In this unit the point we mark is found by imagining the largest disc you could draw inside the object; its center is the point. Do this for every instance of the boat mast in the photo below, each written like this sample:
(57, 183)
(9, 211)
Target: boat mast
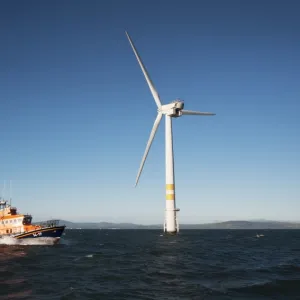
(2, 196)
(10, 193)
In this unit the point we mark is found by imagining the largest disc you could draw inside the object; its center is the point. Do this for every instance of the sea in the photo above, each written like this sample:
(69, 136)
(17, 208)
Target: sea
(146, 264)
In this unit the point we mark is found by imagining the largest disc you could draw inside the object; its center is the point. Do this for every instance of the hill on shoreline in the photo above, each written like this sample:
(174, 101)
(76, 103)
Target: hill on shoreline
(262, 224)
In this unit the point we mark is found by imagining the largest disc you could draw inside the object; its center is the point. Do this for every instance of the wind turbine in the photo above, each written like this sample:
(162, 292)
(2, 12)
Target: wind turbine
(171, 110)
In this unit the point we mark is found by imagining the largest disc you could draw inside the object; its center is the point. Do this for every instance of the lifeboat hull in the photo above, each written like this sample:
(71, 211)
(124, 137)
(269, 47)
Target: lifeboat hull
(49, 232)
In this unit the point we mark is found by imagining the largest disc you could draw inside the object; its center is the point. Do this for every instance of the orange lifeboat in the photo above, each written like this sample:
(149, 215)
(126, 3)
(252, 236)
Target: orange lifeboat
(20, 226)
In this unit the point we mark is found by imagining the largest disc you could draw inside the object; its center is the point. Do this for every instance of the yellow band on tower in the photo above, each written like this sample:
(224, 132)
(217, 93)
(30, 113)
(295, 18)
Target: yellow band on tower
(170, 187)
(170, 197)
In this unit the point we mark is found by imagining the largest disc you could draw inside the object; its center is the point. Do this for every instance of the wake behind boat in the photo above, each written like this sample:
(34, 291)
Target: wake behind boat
(19, 226)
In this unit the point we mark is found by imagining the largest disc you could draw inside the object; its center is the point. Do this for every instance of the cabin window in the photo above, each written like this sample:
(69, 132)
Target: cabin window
(27, 220)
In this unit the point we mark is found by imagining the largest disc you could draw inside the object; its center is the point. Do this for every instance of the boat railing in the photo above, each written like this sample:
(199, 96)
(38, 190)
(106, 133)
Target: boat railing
(48, 223)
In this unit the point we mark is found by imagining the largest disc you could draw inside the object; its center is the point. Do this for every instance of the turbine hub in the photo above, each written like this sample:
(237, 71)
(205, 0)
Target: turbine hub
(172, 109)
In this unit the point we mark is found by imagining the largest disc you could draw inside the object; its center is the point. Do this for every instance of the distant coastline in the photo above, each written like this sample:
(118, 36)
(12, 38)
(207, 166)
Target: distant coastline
(219, 225)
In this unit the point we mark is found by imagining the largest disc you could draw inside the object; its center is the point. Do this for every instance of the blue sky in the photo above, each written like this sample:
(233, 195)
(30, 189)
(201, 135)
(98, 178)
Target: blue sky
(76, 112)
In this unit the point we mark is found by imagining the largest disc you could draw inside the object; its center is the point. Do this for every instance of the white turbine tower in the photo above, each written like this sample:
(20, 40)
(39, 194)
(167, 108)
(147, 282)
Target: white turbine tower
(171, 110)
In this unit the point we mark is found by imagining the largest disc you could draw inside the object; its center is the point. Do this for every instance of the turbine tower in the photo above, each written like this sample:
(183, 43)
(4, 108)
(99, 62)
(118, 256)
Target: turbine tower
(171, 110)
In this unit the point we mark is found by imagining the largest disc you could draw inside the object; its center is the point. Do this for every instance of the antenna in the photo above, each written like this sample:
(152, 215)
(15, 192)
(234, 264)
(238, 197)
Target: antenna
(3, 189)
(10, 196)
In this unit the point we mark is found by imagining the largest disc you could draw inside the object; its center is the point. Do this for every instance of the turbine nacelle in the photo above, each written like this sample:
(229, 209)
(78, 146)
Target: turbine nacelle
(172, 109)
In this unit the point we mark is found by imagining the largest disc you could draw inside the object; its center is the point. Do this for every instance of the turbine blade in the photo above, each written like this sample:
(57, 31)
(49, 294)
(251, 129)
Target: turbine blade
(152, 134)
(197, 113)
(150, 83)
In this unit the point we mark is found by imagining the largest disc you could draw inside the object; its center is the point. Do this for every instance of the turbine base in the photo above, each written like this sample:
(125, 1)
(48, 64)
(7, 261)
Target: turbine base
(171, 232)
